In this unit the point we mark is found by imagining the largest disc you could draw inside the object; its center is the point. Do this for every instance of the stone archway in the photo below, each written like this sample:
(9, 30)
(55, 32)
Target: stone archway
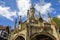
(19, 38)
(42, 37)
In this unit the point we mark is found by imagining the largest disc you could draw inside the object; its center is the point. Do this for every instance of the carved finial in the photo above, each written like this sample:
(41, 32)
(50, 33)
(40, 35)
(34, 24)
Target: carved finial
(39, 15)
(48, 15)
(20, 24)
(27, 12)
(21, 19)
(32, 6)
(49, 18)
(20, 16)
(40, 18)
(28, 15)
(16, 21)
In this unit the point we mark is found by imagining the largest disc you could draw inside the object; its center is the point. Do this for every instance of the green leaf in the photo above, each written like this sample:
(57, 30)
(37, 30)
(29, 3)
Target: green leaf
(57, 21)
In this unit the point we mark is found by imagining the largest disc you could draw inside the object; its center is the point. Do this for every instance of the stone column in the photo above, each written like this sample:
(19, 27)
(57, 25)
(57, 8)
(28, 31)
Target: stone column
(54, 31)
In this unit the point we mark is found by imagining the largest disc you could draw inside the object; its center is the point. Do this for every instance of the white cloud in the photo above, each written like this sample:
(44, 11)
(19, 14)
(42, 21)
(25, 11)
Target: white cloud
(6, 12)
(58, 16)
(59, 1)
(23, 6)
(45, 8)
(41, 6)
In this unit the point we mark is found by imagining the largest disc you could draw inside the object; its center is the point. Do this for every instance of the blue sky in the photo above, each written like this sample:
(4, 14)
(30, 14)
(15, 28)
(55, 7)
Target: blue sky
(12, 9)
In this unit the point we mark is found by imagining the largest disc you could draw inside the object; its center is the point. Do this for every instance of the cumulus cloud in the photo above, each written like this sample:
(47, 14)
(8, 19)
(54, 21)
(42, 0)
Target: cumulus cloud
(45, 8)
(23, 6)
(6, 12)
(41, 6)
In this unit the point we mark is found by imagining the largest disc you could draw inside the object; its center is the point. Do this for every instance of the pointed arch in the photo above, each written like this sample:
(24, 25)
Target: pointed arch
(41, 36)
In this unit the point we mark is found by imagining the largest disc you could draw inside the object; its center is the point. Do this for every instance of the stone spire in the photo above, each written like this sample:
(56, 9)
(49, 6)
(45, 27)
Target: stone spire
(20, 24)
(32, 6)
(32, 12)
(39, 15)
(15, 24)
(28, 14)
(49, 18)
(40, 18)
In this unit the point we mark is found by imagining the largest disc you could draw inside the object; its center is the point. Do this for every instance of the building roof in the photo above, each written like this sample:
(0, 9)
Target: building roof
(3, 27)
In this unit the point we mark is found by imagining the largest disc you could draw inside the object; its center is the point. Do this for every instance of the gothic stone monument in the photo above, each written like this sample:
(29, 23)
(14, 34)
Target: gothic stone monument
(35, 28)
